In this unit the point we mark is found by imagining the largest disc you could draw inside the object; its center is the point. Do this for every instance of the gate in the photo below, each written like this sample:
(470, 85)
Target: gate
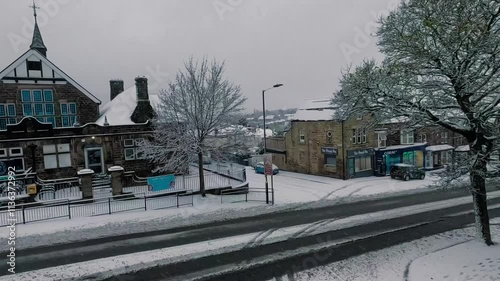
(101, 186)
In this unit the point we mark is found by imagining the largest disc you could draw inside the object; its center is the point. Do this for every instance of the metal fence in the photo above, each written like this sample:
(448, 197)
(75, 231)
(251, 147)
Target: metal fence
(246, 194)
(191, 182)
(232, 170)
(55, 209)
(67, 188)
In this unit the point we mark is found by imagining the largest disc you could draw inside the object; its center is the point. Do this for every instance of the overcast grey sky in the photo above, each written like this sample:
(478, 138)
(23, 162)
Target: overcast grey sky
(303, 44)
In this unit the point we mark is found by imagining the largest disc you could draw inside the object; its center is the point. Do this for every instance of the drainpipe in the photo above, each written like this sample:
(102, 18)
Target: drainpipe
(343, 154)
(33, 155)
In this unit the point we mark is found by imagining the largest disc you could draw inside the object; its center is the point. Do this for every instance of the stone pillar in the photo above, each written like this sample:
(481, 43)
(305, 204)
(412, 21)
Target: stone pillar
(116, 179)
(86, 183)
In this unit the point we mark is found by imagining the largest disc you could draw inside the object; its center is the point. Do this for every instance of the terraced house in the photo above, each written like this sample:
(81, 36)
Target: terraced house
(50, 124)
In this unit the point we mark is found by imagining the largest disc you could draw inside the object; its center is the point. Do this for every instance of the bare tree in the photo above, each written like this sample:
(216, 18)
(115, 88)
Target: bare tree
(195, 117)
(442, 66)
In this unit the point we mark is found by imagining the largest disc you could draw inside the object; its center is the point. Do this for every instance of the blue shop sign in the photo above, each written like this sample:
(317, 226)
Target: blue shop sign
(330, 150)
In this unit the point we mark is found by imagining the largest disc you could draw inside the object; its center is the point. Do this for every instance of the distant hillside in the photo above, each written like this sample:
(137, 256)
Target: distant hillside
(277, 120)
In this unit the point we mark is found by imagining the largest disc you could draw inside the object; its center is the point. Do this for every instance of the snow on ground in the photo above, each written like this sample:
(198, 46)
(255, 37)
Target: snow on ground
(293, 187)
(450, 256)
(292, 191)
(111, 266)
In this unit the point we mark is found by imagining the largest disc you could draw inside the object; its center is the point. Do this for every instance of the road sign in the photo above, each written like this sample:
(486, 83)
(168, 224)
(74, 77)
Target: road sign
(268, 164)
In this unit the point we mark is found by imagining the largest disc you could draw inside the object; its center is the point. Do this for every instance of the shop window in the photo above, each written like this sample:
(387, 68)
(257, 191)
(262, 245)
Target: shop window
(446, 157)
(302, 137)
(330, 160)
(56, 156)
(444, 137)
(363, 163)
(407, 137)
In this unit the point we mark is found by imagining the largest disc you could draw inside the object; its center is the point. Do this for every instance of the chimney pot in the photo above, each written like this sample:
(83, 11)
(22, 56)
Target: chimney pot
(116, 86)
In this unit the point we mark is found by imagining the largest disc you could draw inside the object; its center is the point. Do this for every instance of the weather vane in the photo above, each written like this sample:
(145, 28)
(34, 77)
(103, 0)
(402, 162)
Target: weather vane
(35, 7)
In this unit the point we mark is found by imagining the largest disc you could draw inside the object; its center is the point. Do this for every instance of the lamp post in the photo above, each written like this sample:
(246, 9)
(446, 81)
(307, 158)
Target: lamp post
(264, 112)
(265, 145)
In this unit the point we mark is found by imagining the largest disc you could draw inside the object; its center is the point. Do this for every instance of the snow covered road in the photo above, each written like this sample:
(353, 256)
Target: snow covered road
(233, 243)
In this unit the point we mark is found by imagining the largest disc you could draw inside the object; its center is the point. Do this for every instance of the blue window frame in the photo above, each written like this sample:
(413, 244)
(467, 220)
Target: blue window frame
(64, 109)
(11, 109)
(49, 109)
(37, 96)
(48, 95)
(26, 96)
(38, 109)
(27, 109)
(65, 121)
(72, 120)
(3, 124)
(3, 113)
(72, 108)
(12, 121)
(51, 120)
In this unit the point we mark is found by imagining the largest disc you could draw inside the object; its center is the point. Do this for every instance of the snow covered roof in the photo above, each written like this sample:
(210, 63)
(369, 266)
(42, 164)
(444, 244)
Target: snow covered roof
(315, 110)
(119, 110)
(462, 148)
(441, 147)
(268, 117)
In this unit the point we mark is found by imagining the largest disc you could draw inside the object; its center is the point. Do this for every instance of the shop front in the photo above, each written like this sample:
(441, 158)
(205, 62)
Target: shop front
(408, 154)
(437, 156)
(360, 163)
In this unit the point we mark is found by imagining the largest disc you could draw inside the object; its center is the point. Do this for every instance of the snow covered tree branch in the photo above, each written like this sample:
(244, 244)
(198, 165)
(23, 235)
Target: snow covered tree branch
(441, 67)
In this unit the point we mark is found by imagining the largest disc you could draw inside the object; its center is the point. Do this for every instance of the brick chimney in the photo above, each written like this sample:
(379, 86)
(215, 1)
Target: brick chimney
(116, 86)
(143, 111)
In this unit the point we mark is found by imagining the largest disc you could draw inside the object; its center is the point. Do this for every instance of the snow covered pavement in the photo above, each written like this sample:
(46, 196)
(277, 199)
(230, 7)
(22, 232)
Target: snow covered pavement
(450, 256)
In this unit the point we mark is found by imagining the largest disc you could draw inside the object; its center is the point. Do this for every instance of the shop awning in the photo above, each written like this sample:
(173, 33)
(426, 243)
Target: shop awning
(441, 147)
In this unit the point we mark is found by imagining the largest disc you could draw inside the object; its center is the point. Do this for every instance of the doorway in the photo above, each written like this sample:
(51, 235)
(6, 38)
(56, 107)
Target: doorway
(94, 159)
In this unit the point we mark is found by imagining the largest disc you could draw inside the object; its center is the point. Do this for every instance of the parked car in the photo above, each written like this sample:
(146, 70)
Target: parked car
(406, 172)
(259, 168)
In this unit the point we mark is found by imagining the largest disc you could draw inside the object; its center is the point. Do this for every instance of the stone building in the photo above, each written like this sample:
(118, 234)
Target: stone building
(51, 124)
(316, 144)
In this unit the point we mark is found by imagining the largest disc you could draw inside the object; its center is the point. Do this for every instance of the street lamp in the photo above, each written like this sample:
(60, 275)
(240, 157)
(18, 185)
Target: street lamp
(264, 112)
(265, 145)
